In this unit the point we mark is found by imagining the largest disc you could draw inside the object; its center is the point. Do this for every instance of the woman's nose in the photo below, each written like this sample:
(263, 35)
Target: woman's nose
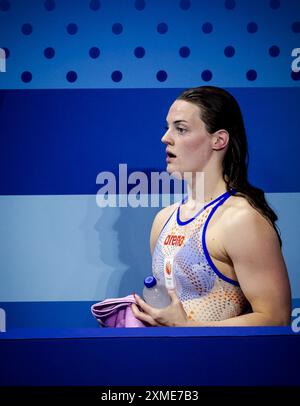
(166, 138)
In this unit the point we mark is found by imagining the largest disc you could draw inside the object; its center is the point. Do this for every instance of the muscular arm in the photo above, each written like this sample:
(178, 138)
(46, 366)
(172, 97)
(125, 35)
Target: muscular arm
(252, 245)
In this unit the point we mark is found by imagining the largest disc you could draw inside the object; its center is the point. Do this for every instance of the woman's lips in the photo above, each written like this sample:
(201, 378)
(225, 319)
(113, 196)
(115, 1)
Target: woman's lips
(170, 158)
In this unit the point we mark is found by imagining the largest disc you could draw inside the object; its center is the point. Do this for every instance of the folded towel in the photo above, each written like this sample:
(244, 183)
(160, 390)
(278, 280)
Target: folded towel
(116, 312)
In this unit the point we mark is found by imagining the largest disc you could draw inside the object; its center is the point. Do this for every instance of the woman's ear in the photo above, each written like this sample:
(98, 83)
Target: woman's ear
(220, 140)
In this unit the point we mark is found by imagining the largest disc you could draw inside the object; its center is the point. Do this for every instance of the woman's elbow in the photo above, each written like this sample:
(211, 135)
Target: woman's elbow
(285, 320)
(282, 318)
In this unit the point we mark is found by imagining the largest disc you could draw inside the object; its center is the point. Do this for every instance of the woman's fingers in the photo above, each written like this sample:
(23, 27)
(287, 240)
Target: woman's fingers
(142, 316)
(144, 306)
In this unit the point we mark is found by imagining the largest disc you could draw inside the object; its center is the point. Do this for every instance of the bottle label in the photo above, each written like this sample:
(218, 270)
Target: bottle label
(168, 272)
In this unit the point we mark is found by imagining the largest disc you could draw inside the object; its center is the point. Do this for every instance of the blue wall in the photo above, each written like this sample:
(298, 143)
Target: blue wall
(87, 86)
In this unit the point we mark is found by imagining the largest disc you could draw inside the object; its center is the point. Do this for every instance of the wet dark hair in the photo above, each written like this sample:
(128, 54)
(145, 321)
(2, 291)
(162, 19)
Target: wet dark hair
(219, 110)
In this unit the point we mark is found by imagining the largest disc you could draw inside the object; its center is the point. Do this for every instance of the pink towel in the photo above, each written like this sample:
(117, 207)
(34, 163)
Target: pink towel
(116, 312)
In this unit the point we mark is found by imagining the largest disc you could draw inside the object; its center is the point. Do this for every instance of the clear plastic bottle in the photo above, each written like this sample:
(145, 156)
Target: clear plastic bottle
(155, 295)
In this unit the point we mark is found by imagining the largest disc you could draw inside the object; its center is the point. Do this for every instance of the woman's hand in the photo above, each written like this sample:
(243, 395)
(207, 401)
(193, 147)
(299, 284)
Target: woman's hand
(172, 315)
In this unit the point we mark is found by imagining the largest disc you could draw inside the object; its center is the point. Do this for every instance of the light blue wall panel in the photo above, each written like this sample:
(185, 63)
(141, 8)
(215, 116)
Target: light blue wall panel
(56, 248)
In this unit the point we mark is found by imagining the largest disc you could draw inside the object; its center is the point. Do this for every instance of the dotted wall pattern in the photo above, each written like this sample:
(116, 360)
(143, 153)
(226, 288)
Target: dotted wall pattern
(148, 43)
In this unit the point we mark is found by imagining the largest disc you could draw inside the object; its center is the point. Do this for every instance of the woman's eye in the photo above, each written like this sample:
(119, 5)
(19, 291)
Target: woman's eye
(181, 130)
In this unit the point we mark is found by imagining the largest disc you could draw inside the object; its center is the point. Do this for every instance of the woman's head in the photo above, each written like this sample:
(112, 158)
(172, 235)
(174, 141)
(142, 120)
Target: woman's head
(191, 146)
(219, 111)
(221, 115)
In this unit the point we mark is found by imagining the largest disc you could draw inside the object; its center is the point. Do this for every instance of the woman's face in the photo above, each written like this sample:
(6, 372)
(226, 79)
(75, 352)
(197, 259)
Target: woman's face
(188, 144)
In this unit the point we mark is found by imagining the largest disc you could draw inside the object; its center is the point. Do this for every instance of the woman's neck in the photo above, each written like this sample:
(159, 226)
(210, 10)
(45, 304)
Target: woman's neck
(205, 187)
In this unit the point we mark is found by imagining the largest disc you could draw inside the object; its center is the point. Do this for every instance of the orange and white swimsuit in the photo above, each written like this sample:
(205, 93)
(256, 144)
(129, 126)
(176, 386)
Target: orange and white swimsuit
(206, 294)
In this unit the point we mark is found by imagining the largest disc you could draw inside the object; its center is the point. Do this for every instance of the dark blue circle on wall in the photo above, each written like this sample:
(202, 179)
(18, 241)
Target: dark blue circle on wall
(95, 5)
(206, 75)
(94, 52)
(274, 4)
(26, 77)
(251, 75)
(71, 76)
(274, 51)
(207, 28)
(139, 4)
(295, 75)
(185, 4)
(230, 4)
(49, 52)
(184, 52)
(161, 76)
(252, 27)
(72, 28)
(229, 51)
(296, 26)
(116, 76)
(4, 5)
(49, 5)
(162, 28)
(117, 28)
(139, 52)
(26, 29)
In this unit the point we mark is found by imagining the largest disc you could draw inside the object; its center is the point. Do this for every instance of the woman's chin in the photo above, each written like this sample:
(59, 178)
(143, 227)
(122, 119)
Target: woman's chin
(175, 172)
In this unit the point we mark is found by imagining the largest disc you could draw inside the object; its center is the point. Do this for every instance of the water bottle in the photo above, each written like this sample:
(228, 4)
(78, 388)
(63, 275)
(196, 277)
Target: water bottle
(155, 295)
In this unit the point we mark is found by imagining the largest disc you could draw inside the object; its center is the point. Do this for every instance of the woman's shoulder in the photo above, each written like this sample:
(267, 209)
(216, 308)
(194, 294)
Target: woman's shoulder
(239, 213)
(238, 203)
(165, 213)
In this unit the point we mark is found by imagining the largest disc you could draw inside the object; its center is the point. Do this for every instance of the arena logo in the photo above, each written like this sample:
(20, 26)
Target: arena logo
(2, 60)
(296, 320)
(2, 321)
(296, 62)
(161, 190)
